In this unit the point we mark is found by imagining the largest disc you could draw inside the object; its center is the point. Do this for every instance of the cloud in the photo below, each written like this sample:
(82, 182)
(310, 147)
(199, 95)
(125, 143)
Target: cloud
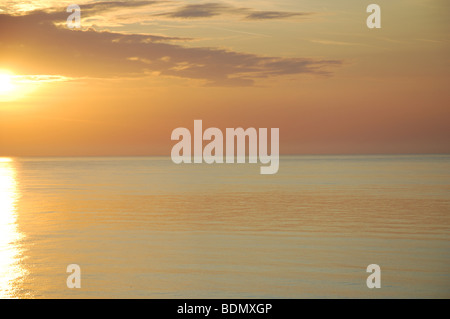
(20, 7)
(96, 7)
(205, 10)
(40, 78)
(35, 45)
(59, 14)
(208, 10)
(330, 42)
(175, 10)
(268, 15)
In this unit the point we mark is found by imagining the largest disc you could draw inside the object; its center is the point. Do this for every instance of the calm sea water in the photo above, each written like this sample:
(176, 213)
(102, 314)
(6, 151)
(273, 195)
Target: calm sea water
(147, 228)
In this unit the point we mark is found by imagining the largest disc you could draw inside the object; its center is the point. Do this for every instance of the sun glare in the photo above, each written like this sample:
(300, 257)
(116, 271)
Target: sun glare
(11, 270)
(13, 87)
(6, 83)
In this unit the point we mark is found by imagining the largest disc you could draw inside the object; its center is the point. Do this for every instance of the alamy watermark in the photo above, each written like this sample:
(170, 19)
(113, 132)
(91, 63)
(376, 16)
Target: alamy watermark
(218, 150)
(237, 138)
(374, 20)
(74, 279)
(74, 20)
(374, 279)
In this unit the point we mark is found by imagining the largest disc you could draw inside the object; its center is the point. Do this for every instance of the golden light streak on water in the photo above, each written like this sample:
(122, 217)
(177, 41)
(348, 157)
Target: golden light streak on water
(10, 267)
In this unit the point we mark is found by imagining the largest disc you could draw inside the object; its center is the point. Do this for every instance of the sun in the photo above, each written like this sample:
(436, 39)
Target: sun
(14, 87)
(6, 83)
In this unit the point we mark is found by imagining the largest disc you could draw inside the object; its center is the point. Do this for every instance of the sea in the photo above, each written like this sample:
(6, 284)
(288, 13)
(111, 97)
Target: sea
(144, 227)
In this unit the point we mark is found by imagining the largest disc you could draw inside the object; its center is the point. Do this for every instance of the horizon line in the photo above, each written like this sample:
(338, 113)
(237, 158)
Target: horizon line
(168, 156)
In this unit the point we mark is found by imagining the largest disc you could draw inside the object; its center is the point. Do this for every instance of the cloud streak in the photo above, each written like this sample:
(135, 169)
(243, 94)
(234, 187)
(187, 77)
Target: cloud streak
(176, 11)
(270, 15)
(191, 11)
(40, 78)
(213, 9)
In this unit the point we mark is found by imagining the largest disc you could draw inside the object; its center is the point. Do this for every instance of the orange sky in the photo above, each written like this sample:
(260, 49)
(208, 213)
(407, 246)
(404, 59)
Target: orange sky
(137, 70)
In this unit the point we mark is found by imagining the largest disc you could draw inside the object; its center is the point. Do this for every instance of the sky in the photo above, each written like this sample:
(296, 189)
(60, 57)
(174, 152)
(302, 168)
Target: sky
(137, 70)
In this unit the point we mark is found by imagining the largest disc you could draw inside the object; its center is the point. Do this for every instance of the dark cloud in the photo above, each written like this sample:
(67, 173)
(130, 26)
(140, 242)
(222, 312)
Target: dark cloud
(97, 7)
(207, 10)
(268, 15)
(34, 45)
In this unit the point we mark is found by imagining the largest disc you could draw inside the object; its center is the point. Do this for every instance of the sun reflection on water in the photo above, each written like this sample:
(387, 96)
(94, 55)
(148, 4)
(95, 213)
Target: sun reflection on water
(10, 268)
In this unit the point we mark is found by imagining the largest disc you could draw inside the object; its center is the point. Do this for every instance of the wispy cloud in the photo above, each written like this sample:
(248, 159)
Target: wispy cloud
(330, 42)
(24, 6)
(40, 78)
(213, 9)
(167, 9)
(205, 10)
(59, 14)
(270, 15)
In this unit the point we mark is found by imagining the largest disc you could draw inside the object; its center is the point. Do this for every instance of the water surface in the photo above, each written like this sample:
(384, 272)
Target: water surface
(147, 228)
